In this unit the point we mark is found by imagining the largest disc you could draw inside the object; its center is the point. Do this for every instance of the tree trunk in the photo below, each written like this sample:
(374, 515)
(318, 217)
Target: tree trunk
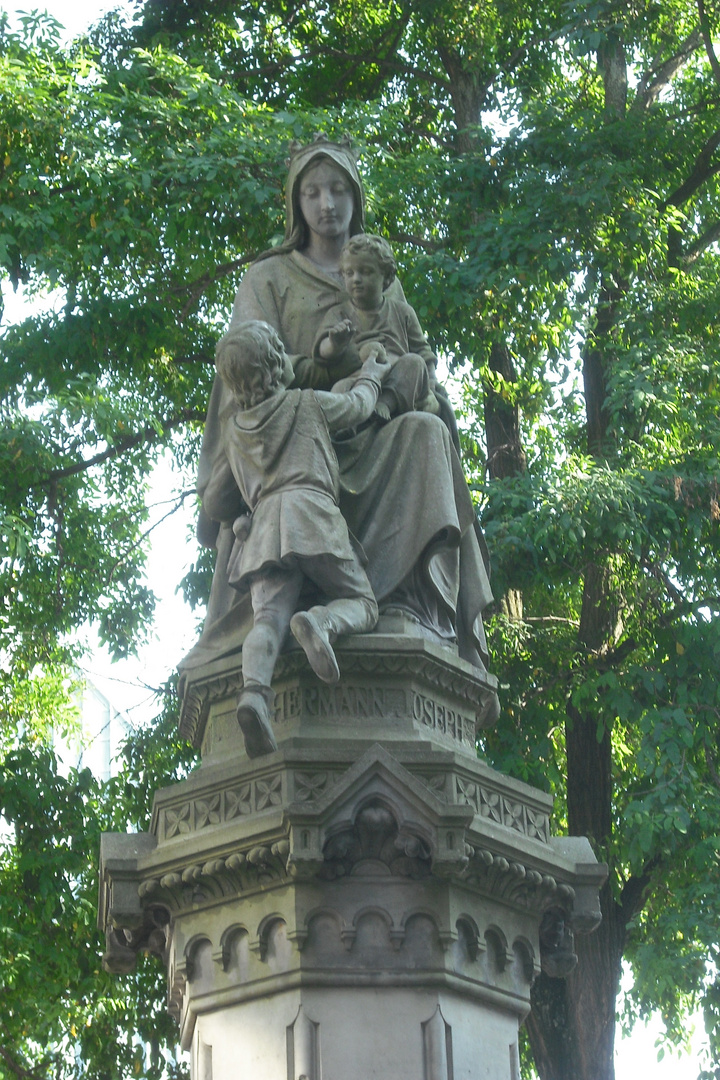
(572, 1024)
(505, 454)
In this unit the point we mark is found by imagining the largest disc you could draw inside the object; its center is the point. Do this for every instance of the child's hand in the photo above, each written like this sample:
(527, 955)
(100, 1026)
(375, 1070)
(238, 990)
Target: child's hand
(241, 527)
(338, 337)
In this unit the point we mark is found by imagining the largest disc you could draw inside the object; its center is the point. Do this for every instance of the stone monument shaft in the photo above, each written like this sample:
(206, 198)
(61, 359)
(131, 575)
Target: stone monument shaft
(370, 900)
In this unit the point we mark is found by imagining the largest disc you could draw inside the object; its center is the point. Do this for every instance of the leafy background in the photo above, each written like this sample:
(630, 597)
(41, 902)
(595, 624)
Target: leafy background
(548, 177)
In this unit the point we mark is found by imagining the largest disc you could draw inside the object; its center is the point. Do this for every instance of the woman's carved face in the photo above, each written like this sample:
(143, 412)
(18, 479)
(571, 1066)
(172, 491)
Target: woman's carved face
(326, 200)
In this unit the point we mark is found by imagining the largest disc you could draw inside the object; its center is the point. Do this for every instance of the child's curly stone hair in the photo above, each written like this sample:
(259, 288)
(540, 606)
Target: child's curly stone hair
(250, 359)
(375, 246)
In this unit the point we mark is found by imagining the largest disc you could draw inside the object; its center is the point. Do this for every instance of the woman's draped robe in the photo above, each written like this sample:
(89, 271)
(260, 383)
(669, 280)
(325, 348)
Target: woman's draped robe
(403, 493)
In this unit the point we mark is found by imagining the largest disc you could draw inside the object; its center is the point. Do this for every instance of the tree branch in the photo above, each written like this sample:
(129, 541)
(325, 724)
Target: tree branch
(222, 270)
(654, 81)
(148, 434)
(611, 657)
(23, 1073)
(703, 242)
(393, 65)
(707, 39)
(18, 1070)
(426, 245)
(397, 37)
(519, 54)
(702, 170)
(550, 619)
(660, 576)
(637, 888)
(354, 58)
(194, 358)
(197, 288)
(710, 762)
(177, 503)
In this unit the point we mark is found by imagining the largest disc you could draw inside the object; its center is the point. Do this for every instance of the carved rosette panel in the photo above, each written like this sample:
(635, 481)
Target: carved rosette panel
(310, 785)
(511, 813)
(437, 782)
(216, 808)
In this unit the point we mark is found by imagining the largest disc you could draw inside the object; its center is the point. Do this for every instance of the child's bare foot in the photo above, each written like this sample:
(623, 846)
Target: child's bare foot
(382, 411)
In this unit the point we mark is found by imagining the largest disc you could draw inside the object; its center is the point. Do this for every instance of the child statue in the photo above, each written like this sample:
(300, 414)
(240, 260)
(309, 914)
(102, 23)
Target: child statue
(368, 268)
(278, 447)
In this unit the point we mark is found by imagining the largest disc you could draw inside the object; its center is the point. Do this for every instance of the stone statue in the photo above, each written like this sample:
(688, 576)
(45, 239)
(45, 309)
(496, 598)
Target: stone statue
(371, 866)
(368, 267)
(279, 450)
(402, 490)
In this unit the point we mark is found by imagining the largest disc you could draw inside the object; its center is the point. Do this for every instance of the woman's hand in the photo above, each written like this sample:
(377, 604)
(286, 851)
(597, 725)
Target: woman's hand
(375, 361)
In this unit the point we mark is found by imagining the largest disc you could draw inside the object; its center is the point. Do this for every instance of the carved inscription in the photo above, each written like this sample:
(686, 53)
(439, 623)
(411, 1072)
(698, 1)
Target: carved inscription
(443, 719)
(339, 703)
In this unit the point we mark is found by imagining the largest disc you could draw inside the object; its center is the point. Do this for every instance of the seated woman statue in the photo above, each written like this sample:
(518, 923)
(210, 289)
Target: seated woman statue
(402, 490)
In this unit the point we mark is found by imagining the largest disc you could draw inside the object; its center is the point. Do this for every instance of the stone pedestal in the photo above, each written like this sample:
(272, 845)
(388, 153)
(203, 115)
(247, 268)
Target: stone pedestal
(371, 900)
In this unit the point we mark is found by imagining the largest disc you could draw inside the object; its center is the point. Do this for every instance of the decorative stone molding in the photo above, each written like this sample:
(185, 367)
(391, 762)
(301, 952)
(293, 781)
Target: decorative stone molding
(375, 843)
(303, 1044)
(376, 820)
(516, 883)
(198, 695)
(386, 679)
(249, 797)
(437, 1047)
(239, 873)
(514, 813)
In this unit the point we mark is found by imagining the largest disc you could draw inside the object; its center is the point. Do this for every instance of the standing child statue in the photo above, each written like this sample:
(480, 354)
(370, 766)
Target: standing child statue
(278, 447)
(368, 267)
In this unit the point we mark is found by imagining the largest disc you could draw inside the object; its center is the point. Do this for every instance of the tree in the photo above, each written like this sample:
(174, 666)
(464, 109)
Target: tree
(549, 179)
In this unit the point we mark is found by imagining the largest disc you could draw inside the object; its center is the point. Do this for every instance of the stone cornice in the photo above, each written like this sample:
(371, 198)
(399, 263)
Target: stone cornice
(407, 829)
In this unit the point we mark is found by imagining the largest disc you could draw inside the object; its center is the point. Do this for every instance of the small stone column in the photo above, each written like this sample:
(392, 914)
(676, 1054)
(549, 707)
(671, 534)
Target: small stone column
(369, 901)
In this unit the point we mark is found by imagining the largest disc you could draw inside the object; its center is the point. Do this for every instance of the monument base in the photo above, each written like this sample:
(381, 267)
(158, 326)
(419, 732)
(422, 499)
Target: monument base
(370, 900)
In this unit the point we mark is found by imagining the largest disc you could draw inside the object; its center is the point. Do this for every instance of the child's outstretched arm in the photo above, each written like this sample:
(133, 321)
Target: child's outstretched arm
(349, 409)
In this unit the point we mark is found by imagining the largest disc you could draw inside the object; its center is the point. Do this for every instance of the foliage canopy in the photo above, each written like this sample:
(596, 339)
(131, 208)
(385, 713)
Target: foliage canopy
(549, 179)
